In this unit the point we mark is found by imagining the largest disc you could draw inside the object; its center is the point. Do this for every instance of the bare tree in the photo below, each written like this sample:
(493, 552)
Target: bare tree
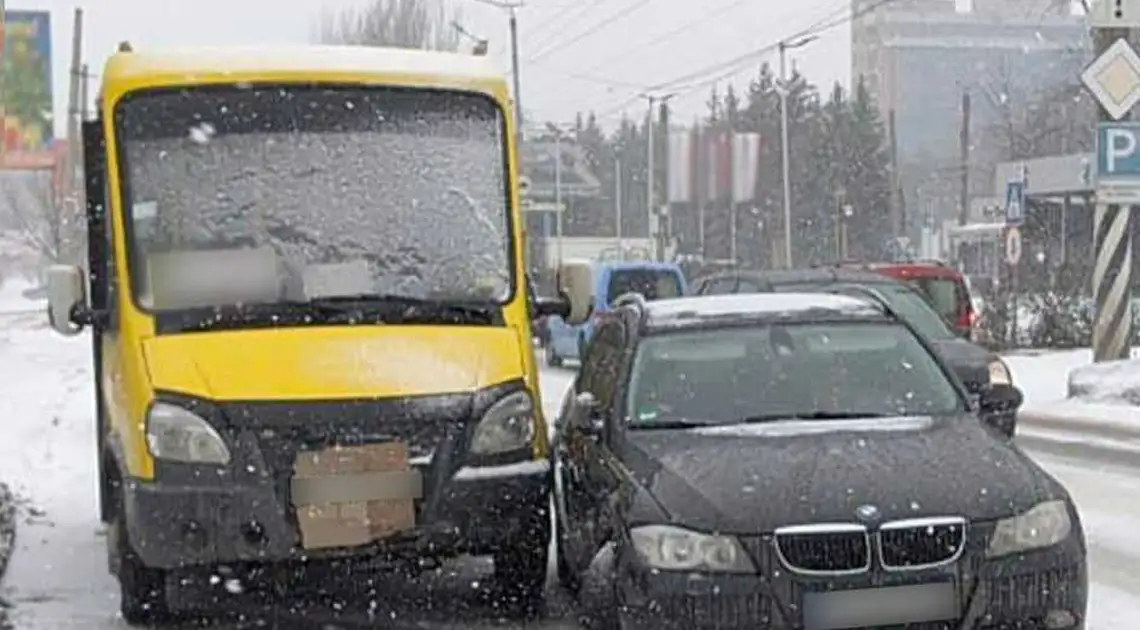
(424, 24)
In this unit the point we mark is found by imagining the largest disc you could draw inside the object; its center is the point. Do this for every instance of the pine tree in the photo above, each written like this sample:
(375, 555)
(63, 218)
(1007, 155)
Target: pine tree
(868, 176)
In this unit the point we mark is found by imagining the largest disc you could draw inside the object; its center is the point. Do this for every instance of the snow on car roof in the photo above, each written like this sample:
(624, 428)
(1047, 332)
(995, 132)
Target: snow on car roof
(248, 60)
(745, 304)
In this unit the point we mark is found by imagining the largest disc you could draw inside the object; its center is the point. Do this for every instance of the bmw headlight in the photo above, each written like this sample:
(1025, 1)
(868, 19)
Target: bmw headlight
(507, 426)
(675, 549)
(999, 373)
(1045, 524)
(180, 435)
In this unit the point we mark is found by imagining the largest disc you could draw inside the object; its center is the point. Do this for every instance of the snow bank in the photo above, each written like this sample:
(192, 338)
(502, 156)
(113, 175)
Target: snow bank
(1112, 382)
(14, 296)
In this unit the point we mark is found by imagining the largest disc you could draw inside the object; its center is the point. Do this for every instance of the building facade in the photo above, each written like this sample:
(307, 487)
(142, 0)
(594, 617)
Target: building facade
(918, 57)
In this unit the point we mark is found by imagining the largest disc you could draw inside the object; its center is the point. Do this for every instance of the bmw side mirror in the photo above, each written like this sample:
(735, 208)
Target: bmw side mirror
(587, 417)
(998, 405)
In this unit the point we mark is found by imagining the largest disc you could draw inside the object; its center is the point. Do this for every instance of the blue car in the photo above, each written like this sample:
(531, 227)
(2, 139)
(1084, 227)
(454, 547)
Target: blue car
(653, 280)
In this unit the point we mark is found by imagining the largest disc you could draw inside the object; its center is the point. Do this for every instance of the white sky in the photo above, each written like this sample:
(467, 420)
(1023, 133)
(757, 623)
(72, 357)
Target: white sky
(706, 32)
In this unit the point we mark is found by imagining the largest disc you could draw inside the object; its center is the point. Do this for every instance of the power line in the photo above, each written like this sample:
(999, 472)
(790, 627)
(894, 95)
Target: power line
(583, 8)
(598, 26)
(670, 34)
(720, 71)
(814, 30)
(686, 28)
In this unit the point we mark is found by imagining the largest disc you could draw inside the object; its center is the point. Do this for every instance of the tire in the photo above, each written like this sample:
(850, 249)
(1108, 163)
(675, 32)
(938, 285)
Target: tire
(142, 590)
(568, 578)
(520, 569)
(552, 358)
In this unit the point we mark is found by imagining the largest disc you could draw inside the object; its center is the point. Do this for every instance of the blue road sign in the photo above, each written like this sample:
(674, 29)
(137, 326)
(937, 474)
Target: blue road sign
(1014, 202)
(1118, 151)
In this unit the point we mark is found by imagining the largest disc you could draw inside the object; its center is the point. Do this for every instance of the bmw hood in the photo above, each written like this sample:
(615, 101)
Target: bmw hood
(755, 478)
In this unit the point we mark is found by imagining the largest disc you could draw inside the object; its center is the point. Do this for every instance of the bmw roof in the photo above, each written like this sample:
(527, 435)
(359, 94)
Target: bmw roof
(812, 275)
(745, 308)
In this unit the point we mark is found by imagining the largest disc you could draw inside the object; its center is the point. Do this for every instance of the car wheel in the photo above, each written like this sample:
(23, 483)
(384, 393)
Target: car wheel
(568, 577)
(142, 590)
(552, 358)
(520, 569)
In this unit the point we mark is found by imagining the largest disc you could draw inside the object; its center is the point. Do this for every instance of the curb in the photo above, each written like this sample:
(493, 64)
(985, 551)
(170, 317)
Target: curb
(1060, 435)
(1064, 423)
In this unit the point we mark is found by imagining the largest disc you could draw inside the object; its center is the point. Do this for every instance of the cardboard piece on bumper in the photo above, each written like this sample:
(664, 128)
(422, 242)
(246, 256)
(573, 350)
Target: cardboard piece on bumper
(351, 496)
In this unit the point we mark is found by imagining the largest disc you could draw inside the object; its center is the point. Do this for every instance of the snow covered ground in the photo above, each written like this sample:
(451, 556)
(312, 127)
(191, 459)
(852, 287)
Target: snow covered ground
(58, 578)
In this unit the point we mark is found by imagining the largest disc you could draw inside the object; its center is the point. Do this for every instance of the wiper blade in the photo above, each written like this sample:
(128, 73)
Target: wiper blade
(667, 425)
(411, 307)
(364, 301)
(812, 415)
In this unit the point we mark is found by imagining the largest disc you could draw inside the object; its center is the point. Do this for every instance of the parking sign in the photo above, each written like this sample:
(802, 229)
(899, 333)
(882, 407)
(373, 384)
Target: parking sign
(1014, 202)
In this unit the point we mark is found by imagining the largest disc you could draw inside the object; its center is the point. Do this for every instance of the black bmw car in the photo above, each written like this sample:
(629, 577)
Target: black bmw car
(799, 461)
(976, 366)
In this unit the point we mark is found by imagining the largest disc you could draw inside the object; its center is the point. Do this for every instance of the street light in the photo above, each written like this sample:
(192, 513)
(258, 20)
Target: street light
(511, 8)
(558, 211)
(480, 43)
(650, 197)
(784, 149)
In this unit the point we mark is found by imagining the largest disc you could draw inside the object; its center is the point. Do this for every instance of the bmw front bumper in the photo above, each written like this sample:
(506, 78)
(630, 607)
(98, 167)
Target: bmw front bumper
(1040, 590)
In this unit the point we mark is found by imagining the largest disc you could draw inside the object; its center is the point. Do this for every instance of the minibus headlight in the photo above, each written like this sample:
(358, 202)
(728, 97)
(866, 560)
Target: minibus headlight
(180, 435)
(507, 426)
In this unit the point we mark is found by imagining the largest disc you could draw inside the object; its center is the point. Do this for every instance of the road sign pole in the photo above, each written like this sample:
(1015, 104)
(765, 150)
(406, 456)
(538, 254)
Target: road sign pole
(1112, 271)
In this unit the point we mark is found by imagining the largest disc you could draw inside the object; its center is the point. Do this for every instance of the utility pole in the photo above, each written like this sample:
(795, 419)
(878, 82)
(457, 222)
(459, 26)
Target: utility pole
(665, 217)
(964, 147)
(785, 150)
(74, 138)
(649, 168)
(512, 9)
(617, 209)
(1112, 233)
(83, 95)
(651, 178)
(898, 224)
(3, 94)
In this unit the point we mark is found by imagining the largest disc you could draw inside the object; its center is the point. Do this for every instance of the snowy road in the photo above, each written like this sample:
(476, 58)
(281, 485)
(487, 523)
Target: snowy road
(58, 578)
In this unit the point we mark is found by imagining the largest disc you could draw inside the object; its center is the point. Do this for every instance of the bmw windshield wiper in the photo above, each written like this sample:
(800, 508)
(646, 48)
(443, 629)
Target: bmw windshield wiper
(669, 424)
(811, 415)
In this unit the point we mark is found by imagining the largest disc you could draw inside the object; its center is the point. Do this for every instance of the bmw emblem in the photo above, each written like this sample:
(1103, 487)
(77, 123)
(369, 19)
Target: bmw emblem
(867, 513)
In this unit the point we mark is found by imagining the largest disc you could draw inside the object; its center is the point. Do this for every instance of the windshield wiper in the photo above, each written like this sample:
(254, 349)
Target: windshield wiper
(412, 306)
(669, 424)
(812, 415)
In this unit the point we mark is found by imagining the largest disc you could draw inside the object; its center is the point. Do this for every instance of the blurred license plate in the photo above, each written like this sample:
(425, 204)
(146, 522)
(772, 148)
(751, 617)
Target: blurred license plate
(892, 605)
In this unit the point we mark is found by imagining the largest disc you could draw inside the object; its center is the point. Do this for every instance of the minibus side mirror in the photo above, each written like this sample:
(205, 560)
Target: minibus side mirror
(576, 288)
(67, 299)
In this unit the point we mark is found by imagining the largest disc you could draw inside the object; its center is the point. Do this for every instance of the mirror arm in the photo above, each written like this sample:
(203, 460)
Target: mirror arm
(83, 316)
(559, 306)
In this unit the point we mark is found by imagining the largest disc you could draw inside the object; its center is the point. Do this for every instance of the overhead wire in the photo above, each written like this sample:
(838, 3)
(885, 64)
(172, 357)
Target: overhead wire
(670, 34)
(720, 71)
(593, 30)
(699, 78)
(583, 8)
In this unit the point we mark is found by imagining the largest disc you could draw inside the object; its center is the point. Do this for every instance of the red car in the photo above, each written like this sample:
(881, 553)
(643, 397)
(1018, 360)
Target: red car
(943, 285)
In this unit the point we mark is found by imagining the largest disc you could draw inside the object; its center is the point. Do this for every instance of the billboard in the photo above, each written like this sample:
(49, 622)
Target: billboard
(27, 97)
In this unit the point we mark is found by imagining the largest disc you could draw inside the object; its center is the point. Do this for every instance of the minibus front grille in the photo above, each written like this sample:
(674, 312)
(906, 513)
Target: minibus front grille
(284, 429)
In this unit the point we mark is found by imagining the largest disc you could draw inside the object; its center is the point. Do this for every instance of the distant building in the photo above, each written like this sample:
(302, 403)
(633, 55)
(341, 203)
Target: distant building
(546, 161)
(917, 57)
